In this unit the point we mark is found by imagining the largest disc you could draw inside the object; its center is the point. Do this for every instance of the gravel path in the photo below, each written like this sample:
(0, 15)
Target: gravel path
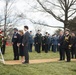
(12, 62)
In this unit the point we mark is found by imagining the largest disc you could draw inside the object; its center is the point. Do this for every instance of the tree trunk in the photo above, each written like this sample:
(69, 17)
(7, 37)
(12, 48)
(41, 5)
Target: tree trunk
(66, 15)
(5, 27)
(5, 21)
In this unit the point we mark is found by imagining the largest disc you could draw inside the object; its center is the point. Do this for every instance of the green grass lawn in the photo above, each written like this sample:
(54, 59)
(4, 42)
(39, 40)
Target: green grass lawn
(56, 68)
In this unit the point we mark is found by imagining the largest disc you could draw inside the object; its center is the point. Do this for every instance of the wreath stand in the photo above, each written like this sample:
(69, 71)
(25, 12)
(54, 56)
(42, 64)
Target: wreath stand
(2, 58)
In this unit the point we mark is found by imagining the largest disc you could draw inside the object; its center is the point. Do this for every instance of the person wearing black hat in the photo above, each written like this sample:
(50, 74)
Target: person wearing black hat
(67, 45)
(38, 40)
(15, 39)
(54, 43)
(30, 41)
(49, 41)
(46, 42)
(25, 43)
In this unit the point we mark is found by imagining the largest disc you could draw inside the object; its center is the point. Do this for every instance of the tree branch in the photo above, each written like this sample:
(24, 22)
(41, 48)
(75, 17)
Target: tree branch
(72, 14)
(62, 5)
(72, 3)
(45, 24)
(50, 12)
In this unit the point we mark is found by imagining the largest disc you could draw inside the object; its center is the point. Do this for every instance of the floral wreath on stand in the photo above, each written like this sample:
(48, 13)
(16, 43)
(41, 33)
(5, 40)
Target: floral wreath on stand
(1, 36)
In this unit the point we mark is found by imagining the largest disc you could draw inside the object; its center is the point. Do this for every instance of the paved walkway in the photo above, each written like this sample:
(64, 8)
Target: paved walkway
(35, 61)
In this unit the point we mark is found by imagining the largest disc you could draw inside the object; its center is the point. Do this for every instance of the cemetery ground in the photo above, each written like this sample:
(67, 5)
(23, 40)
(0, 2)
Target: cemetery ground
(49, 68)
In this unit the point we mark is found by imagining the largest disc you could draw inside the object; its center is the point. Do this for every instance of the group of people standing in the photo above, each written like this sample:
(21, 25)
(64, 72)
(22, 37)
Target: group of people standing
(67, 45)
(20, 42)
(46, 42)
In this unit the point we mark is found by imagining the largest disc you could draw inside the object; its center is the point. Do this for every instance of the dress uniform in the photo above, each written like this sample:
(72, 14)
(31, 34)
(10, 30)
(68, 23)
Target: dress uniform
(49, 42)
(46, 44)
(15, 40)
(35, 43)
(30, 41)
(67, 45)
(54, 43)
(38, 40)
(43, 43)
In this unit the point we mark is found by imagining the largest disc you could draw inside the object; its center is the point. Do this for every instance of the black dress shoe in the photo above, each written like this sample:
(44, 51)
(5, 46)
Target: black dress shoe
(68, 61)
(17, 59)
(63, 59)
(14, 59)
(60, 59)
(25, 62)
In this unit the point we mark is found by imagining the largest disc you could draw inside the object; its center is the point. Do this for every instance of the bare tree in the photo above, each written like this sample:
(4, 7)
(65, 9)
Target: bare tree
(9, 18)
(66, 9)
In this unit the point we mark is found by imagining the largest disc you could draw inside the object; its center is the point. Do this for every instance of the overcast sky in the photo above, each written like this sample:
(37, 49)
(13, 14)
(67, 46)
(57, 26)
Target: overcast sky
(24, 6)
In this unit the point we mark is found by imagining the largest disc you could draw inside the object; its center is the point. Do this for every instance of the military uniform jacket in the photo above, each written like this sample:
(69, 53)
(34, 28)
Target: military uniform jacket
(46, 40)
(15, 38)
(43, 40)
(31, 39)
(38, 38)
(67, 41)
(55, 40)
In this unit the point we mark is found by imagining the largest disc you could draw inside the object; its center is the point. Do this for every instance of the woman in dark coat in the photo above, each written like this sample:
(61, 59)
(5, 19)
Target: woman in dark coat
(21, 48)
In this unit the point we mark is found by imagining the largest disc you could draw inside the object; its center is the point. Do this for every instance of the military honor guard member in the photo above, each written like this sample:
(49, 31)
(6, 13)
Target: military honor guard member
(54, 43)
(67, 45)
(38, 41)
(43, 43)
(31, 42)
(49, 41)
(15, 39)
(46, 42)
